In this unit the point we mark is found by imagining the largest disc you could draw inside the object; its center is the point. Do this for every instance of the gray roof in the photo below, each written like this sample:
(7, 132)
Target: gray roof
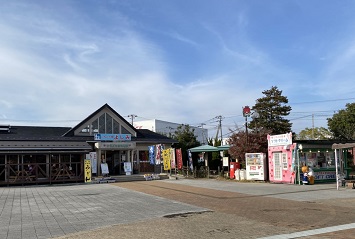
(47, 133)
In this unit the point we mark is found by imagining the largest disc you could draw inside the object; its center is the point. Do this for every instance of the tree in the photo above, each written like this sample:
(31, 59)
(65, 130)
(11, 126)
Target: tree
(184, 134)
(317, 133)
(342, 124)
(257, 143)
(270, 111)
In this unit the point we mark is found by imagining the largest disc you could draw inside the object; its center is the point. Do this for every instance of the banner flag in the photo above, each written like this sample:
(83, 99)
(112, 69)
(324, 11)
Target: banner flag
(87, 170)
(93, 159)
(166, 159)
(157, 154)
(179, 158)
(190, 160)
(172, 158)
(151, 154)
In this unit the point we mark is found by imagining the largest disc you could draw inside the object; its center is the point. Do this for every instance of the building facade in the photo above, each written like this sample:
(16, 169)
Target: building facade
(34, 155)
(169, 128)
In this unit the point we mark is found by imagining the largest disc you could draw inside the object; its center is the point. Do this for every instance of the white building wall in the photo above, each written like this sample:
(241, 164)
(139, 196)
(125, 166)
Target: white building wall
(169, 128)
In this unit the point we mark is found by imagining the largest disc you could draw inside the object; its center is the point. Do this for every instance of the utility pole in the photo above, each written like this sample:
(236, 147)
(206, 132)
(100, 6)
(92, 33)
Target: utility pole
(132, 116)
(219, 117)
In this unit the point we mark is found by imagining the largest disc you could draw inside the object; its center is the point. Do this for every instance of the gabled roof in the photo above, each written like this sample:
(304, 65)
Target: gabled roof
(105, 106)
(19, 135)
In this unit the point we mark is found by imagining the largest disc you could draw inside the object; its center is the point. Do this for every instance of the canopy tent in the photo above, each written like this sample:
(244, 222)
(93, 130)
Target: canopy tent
(209, 148)
(204, 148)
(339, 147)
(223, 147)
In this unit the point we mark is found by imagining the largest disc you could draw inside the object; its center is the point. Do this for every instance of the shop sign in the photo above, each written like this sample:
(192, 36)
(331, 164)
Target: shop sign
(280, 139)
(87, 170)
(225, 161)
(112, 137)
(93, 160)
(128, 168)
(325, 175)
(115, 145)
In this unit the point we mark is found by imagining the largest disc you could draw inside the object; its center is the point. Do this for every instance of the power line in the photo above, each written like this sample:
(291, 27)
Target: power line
(321, 101)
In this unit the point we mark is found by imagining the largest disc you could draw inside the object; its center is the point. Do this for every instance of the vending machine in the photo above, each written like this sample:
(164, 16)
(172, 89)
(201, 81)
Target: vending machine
(256, 166)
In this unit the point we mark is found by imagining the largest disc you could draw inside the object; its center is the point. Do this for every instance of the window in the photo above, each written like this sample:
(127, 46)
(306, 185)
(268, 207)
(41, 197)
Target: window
(102, 128)
(95, 126)
(108, 124)
(284, 161)
(124, 131)
(277, 166)
(104, 124)
(116, 127)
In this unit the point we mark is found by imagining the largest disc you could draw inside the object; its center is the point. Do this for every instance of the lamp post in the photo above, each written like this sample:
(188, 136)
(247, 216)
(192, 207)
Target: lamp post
(299, 147)
(246, 114)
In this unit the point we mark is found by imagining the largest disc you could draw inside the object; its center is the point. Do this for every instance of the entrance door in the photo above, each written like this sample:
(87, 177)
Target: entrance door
(113, 162)
(277, 166)
(109, 161)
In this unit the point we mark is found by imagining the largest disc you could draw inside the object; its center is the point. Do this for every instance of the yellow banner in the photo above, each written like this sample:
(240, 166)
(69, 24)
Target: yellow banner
(166, 159)
(87, 170)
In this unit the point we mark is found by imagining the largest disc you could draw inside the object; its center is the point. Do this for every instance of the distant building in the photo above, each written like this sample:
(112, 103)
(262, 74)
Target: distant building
(168, 128)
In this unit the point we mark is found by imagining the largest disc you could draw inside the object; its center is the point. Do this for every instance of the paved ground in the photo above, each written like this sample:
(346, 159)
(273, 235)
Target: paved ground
(178, 209)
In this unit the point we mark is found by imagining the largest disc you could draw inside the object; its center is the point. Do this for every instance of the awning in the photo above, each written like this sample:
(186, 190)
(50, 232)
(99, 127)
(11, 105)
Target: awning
(343, 146)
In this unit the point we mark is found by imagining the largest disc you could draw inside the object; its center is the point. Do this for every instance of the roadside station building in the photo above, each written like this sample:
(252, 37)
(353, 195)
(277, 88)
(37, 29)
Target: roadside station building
(34, 155)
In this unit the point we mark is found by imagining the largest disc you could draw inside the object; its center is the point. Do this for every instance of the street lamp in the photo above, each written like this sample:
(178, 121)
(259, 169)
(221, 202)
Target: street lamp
(246, 114)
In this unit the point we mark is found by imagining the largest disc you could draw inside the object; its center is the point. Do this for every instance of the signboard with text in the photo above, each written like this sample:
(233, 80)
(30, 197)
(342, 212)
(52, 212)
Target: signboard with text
(325, 175)
(112, 137)
(115, 145)
(280, 139)
(87, 170)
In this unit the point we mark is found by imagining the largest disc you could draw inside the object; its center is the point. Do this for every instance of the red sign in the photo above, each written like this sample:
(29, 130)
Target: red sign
(246, 111)
(179, 158)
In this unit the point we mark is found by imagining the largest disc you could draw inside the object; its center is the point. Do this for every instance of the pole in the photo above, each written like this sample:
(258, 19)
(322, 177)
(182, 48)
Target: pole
(298, 167)
(246, 128)
(220, 127)
(336, 169)
(132, 116)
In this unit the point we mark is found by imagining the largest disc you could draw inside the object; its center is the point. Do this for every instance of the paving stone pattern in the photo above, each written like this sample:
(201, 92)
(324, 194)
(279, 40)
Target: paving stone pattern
(52, 211)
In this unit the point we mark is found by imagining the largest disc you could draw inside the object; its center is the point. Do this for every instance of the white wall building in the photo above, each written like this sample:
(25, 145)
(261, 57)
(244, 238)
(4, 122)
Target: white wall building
(168, 128)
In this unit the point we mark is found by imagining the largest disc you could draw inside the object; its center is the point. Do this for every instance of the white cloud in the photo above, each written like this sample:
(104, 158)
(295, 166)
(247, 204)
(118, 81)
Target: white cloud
(58, 69)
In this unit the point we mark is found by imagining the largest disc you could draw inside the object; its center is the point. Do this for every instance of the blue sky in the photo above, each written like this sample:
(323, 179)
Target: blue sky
(179, 61)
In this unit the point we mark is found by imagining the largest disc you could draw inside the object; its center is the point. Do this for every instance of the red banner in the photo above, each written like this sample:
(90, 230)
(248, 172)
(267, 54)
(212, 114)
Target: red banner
(179, 158)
